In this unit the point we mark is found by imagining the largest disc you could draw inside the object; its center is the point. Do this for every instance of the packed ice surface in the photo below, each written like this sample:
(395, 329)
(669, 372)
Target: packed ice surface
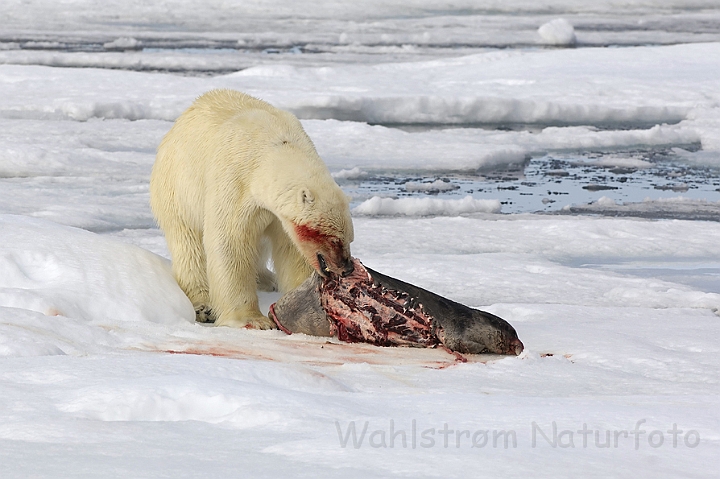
(605, 349)
(136, 34)
(104, 374)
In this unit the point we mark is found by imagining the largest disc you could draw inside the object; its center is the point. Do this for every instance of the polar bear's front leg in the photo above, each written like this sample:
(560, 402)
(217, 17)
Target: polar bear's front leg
(231, 248)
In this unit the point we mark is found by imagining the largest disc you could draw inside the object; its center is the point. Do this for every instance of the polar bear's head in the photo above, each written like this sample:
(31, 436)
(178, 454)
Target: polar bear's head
(317, 219)
(313, 210)
(323, 231)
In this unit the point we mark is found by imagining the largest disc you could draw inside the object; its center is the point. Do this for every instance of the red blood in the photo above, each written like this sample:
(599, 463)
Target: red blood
(312, 235)
(361, 312)
(274, 318)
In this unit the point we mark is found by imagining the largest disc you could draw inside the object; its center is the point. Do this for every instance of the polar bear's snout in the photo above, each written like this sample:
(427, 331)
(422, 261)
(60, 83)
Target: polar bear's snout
(348, 269)
(345, 269)
(345, 266)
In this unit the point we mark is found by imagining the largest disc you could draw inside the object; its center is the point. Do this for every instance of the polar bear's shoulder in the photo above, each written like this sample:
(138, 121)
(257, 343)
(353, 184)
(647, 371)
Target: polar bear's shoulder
(230, 104)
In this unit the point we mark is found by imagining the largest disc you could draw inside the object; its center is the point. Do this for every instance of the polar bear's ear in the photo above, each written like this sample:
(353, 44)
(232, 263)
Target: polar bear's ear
(306, 197)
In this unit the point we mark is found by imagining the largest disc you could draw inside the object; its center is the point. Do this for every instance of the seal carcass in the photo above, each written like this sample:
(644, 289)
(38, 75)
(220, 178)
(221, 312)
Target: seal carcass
(367, 306)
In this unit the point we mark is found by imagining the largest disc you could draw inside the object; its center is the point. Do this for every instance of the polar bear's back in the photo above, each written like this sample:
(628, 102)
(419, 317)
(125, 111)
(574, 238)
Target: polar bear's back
(227, 112)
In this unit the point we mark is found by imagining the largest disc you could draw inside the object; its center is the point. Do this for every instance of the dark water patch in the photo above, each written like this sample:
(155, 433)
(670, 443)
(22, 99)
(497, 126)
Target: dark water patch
(594, 187)
(566, 184)
(652, 210)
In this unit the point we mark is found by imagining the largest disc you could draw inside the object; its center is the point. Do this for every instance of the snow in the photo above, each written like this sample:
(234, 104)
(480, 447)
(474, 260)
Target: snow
(437, 185)
(349, 174)
(103, 373)
(377, 206)
(61, 274)
(273, 400)
(557, 32)
(123, 43)
(571, 106)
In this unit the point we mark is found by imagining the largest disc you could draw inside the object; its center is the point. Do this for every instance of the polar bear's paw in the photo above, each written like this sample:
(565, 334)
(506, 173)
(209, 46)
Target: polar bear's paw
(261, 322)
(253, 321)
(203, 314)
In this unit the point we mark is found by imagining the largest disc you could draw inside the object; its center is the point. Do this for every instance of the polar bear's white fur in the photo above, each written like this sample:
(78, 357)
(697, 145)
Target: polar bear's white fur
(232, 172)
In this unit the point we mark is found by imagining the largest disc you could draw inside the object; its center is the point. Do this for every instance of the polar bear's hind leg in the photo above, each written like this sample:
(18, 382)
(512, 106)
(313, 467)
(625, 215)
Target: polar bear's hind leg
(266, 279)
(187, 251)
(291, 268)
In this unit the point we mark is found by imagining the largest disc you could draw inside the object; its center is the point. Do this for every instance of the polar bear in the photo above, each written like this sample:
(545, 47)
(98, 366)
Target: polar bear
(232, 173)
